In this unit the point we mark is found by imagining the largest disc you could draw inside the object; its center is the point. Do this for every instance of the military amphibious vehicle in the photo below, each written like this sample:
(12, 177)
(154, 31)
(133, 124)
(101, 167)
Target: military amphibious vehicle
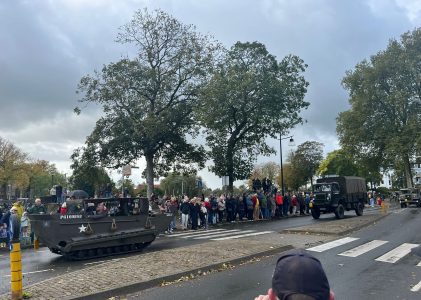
(89, 228)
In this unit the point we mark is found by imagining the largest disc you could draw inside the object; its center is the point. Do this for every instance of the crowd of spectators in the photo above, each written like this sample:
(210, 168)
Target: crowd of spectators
(200, 212)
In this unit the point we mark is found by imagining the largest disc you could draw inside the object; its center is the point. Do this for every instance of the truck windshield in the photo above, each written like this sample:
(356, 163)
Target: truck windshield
(322, 188)
(405, 191)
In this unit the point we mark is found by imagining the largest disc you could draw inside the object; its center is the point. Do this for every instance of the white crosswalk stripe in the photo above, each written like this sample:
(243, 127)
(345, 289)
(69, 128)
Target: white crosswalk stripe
(333, 244)
(397, 253)
(242, 235)
(416, 287)
(357, 251)
(391, 256)
(217, 234)
(204, 233)
(193, 233)
(225, 233)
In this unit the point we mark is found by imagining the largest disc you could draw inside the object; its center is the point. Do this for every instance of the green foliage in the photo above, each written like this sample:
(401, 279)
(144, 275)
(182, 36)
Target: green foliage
(148, 100)
(87, 175)
(25, 177)
(175, 185)
(339, 163)
(41, 177)
(305, 162)
(383, 124)
(250, 96)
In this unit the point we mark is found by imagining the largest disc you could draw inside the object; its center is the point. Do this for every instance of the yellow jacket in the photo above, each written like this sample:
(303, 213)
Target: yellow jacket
(20, 208)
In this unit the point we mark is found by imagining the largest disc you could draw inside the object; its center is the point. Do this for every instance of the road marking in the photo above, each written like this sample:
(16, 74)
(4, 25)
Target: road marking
(354, 252)
(241, 235)
(397, 253)
(332, 244)
(225, 233)
(190, 233)
(33, 272)
(206, 233)
(419, 264)
(416, 287)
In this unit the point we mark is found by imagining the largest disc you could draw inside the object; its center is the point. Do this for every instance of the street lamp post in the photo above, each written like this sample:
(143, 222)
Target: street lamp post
(291, 141)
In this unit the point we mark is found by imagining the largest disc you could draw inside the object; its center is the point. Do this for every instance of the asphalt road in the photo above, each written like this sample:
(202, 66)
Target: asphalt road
(360, 277)
(40, 265)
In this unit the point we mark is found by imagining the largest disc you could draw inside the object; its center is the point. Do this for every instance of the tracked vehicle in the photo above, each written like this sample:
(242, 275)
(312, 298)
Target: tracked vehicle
(90, 228)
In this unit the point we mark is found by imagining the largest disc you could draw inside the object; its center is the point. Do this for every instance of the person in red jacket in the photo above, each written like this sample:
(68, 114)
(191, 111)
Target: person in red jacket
(279, 199)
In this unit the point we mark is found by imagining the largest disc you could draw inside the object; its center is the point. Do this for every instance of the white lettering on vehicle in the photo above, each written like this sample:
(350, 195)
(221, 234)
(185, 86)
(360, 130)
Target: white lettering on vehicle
(71, 217)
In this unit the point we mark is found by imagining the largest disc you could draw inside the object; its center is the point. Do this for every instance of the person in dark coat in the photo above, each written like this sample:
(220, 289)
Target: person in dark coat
(194, 213)
(230, 206)
(5, 221)
(241, 207)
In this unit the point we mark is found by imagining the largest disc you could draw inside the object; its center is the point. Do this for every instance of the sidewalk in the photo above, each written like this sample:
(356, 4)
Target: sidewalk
(121, 276)
(145, 270)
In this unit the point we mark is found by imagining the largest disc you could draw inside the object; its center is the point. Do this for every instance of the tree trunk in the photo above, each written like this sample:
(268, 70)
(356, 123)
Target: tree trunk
(149, 175)
(230, 168)
(408, 173)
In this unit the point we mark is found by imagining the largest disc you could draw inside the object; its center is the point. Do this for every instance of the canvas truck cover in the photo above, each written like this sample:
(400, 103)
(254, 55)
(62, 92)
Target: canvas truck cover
(348, 184)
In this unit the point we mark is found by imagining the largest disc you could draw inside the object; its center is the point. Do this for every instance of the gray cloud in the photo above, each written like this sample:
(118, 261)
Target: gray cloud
(47, 46)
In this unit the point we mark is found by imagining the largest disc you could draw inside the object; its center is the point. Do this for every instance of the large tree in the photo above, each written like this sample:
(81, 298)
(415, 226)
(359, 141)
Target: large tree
(384, 122)
(178, 184)
(12, 161)
(305, 161)
(41, 176)
(88, 175)
(338, 162)
(148, 99)
(250, 97)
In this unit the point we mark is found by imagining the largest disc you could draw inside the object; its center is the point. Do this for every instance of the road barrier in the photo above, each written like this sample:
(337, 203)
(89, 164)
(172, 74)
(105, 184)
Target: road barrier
(15, 259)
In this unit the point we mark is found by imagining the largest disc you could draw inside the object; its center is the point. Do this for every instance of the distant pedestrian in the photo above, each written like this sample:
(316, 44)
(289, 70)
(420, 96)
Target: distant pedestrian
(249, 206)
(372, 201)
(286, 204)
(301, 203)
(279, 201)
(294, 205)
(256, 209)
(213, 217)
(204, 214)
(185, 212)
(194, 213)
(263, 205)
(241, 207)
(230, 207)
(221, 208)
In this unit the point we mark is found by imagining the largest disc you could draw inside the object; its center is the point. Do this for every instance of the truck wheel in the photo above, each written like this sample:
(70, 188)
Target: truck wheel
(340, 211)
(315, 212)
(359, 209)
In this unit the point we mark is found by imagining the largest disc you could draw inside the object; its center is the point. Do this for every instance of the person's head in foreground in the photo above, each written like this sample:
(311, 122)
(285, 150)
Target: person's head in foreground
(298, 275)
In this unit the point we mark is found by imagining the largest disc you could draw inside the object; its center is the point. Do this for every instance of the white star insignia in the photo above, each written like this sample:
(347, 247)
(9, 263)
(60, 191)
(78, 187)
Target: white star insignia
(82, 228)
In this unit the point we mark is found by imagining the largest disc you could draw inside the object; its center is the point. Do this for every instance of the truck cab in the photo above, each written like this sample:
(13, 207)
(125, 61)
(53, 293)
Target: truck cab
(409, 196)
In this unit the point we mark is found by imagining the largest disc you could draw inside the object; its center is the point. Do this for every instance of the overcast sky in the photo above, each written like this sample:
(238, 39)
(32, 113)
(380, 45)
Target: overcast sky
(47, 46)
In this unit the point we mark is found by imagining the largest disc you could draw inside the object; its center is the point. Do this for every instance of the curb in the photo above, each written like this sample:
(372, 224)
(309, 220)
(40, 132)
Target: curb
(338, 232)
(133, 288)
